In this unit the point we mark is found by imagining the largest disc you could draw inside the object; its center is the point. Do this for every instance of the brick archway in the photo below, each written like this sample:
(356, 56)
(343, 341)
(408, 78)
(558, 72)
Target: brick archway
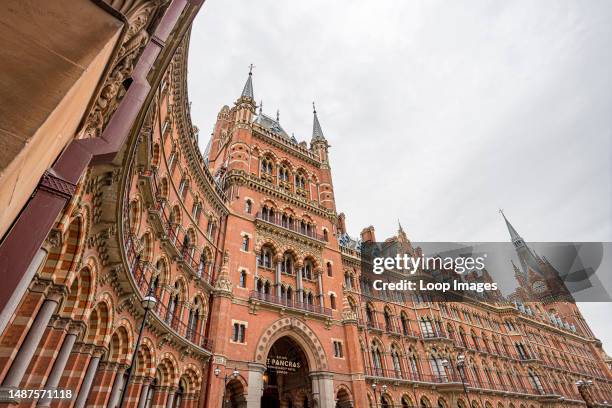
(301, 334)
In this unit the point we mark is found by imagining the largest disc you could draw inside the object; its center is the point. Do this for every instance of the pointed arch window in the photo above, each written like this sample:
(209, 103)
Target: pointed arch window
(307, 269)
(287, 264)
(397, 366)
(405, 324)
(265, 259)
(388, 325)
(437, 368)
(426, 327)
(202, 264)
(535, 382)
(413, 366)
(377, 361)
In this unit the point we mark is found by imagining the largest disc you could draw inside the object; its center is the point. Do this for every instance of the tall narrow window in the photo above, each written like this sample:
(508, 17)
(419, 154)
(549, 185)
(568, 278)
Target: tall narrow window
(243, 278)
(332, 301)
(248, 206)
(245, 243)
(238, 335)
(329, 269)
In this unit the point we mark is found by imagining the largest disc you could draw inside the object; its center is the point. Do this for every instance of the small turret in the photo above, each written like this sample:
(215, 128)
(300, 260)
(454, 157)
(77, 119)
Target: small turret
(245, 105)
(318, 143)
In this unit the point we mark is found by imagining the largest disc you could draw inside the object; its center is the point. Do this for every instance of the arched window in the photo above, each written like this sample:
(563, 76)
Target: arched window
(267, 288)
(426, 327)
(377, 360)
(202, 264)
(332, 301)
(248, 206)
(265, 259)
(267, 214)
(370, 315)
(397, 366)
(267, 168)
(287, 264)
(283, 175)
(211, 228)
(388, 325)
(307, 269)
(464, 342)
(413, 366)
(535, 382)
(183, 187)
(437, 368)
(348, 283)
(245, 243)
(172, 306)
(405, 324)
(329, 269)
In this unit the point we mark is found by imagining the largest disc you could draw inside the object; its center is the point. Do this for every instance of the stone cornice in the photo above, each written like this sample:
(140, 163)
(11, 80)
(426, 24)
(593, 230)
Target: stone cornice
(187, 141)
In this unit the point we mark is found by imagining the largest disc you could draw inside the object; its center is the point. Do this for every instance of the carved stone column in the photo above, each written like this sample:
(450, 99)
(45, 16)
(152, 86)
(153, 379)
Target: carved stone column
(118, 385)
(89, 377)
(171, 394)
(320, 283)
(299, 283)
(278, 279)
(144, 392)
(60, 362)
(28, 348)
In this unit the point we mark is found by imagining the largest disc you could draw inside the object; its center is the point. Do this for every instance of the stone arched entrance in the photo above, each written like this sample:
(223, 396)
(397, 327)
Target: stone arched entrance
(290, 369)
(287, 383)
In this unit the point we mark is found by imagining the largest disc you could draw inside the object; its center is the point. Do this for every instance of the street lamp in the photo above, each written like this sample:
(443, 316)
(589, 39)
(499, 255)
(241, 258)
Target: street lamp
(235, 374)
(148, 303)
(461, 369)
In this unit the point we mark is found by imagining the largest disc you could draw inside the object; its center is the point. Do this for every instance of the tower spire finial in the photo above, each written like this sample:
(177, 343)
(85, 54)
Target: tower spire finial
(317, 132)
(260, 107)
(513, 234)
(247, 91)
(278, 116)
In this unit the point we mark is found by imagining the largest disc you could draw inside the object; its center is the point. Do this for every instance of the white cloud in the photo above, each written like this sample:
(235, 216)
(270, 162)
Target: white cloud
(438, 112)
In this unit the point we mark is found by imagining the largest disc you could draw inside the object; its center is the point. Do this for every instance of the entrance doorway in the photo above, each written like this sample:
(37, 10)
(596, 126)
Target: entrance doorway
(286, 380)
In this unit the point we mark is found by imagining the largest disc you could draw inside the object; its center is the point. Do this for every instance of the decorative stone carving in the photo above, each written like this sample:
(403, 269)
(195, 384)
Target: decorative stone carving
(223, 285)
(139, 15)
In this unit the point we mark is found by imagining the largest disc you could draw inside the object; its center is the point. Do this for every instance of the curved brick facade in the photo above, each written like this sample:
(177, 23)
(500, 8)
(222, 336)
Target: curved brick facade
(246, 255)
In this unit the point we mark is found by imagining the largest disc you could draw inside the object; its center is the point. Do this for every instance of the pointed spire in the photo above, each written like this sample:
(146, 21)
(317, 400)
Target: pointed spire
(400, 229)
(513, 234)
(260, 107)
(278, 116)
(247, 91)
(317, 132)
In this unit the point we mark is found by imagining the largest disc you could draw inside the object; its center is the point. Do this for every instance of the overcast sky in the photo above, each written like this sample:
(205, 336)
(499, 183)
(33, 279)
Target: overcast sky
(438, 112)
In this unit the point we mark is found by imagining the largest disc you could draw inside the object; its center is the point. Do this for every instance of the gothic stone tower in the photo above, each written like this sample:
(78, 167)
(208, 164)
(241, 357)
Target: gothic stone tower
(284, 263)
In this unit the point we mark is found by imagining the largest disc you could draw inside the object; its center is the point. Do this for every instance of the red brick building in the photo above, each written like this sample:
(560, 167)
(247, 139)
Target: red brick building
(258, 289)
